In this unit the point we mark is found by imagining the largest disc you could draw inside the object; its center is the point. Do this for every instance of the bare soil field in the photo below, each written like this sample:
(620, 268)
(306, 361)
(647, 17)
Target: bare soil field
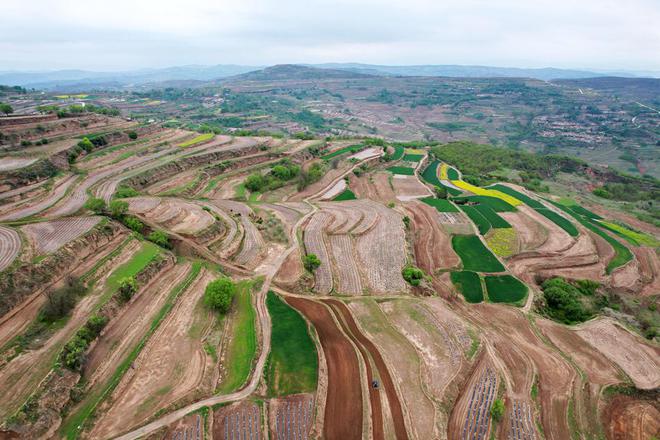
(173, 214)
(10, 246)
(14, 163)
(649, 270)
(253, 243)
(375, 186)
(172, 365)
(639, 360)
(431, 244)
(343, 407)
(29, 209)
(626, 418)
(49, 236)
(291, 417)
(531, 234)
(409, 187)
(238, 420)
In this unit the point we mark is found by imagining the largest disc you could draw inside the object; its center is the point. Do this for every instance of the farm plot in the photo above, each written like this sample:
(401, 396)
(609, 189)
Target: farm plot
(497, 205)
(406, 171)
(77, 198)
(442, 205)
(10, 246)
(343, 406)
(519, 421)
(293, 361)
(366, 154)
(172, 366)
(502, 241)
(403, 363)
(375, 186)
(486, 192)
(315, 244)
(627, 418)
(471, 416)
(469, 284)
(45, 203)
(409, 187)
(253, 243)
(47, 237)
(638, 359)
(530, 233)
(176, 215)
(505, 288)
(290, 418)
(431, 244)
(14, 163)
(237, 421)
(348, 274)
(483, 225)
(347, 194)
(474, 255)
(411, 157)
(335, 190)
(190, 427)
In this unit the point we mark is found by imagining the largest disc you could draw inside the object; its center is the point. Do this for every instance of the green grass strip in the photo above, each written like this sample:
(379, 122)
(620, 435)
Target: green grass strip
(469, 284)
(75, 423)
(632, 237)
(347, 194)
(497, 205)
(350, 149)
(242, 348)
(483, 225)
(441, 205)
(402, 170)
(413, 157)
(474, 255)
(495, 220)
(197, 140)
(293, 363)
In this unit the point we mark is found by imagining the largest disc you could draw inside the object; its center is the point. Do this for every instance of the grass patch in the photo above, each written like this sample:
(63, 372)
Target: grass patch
(430, 173)
(350, 149)
(406, 171)
(505, 289)
(474, 255)
(242, 348)
(74, 423)
(633, 237)
(441, 205)
(293, 363)
(469, 284)
(148, 251)
(503, 241)
(483, 225)
(204, 137)
(347, 194)
(408, 157)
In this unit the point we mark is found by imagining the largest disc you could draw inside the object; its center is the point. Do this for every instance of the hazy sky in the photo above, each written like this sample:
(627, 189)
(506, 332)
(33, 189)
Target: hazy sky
(129, 34)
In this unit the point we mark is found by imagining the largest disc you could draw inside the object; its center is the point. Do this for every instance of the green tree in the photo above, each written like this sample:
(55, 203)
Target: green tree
(160, 238)
(440, 192)
(6, 108)
(127, 287)
(497, 410)
(86, 145)
(255, 182)
(118, 208)
(134, 224)
(95, 204)
(219, 294)
(132, 135)
(311, 262)
(413, 275)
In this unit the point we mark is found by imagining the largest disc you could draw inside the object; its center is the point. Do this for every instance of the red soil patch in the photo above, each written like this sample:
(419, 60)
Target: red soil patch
(626, 418)
(343, 409)
(649, 269)
(374, 186)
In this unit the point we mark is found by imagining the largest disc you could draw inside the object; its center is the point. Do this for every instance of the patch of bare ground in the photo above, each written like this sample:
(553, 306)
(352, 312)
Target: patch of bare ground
(315, 244)
(326, 180)
(639, 360)
(555, 375)
(409, 187)
(252, 245)
(40, 204)
(531, 234)
(47, 237)
(20, 376)
(190, 427)
(374, 186)
(431, 244)
(291, 270)
(404, 365)
(290, 417)
(649, 270)
(470, 416)
(627, 418)
(172, 366)
(10, 246)
(177, 215)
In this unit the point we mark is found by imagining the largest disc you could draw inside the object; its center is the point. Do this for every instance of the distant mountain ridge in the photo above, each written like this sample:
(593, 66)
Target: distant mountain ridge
(194, 74)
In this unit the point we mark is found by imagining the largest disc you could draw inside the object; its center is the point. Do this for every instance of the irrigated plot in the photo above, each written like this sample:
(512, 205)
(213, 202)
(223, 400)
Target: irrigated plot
(291, 417)
(240, 420)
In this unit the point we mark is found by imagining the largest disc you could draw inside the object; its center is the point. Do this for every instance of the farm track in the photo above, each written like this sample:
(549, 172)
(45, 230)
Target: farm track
(343, 409)
(371, 354)
(10, 246)
(48, 201)
(49, 236)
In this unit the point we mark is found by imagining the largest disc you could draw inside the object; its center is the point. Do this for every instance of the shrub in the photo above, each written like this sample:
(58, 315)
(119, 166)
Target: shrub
(126, 191)
(440, 192)
(160, 238)
(497, 410)
(117, 208)
(406, 221)
(413, 275)
(563, 301)
(132, 135)
(60, 302)
(134, 224)
(127, 287)
(219, 294)
(311, 262)
(86, 145)
(95, 204)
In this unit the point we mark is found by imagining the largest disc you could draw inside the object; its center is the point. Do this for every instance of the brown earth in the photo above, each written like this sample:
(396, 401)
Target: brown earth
(626, 418)
(237, 420)
(343, 410)
(374, 186)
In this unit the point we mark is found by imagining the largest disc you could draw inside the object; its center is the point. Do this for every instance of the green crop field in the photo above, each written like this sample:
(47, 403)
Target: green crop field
(349, 149)
(398, 152)
(474, 255)
(632, 237)
(402, 170)
(482, 222)
(242, 347)
(347, 194)
(441, 205)
(292, 364)
(452, 173)
(495, 220)
(497, 205)
(148, 251)
(469, 284)
(197, 140)
(560, 221)
(430, 173)
(413, 157)
(505, 289)
(518, 195)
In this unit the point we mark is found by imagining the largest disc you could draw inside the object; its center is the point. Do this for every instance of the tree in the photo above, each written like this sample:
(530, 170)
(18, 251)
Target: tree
(86, 145)
(440, 192)
(127, 287)
(219, 294)
(160, 238)
(95, 204)
(6, 108)
(406, 221)
(255, 182)
(311, 262)
(134, 224)
(497, 410)
(132, 135)
(413, 275)
(118, 208)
